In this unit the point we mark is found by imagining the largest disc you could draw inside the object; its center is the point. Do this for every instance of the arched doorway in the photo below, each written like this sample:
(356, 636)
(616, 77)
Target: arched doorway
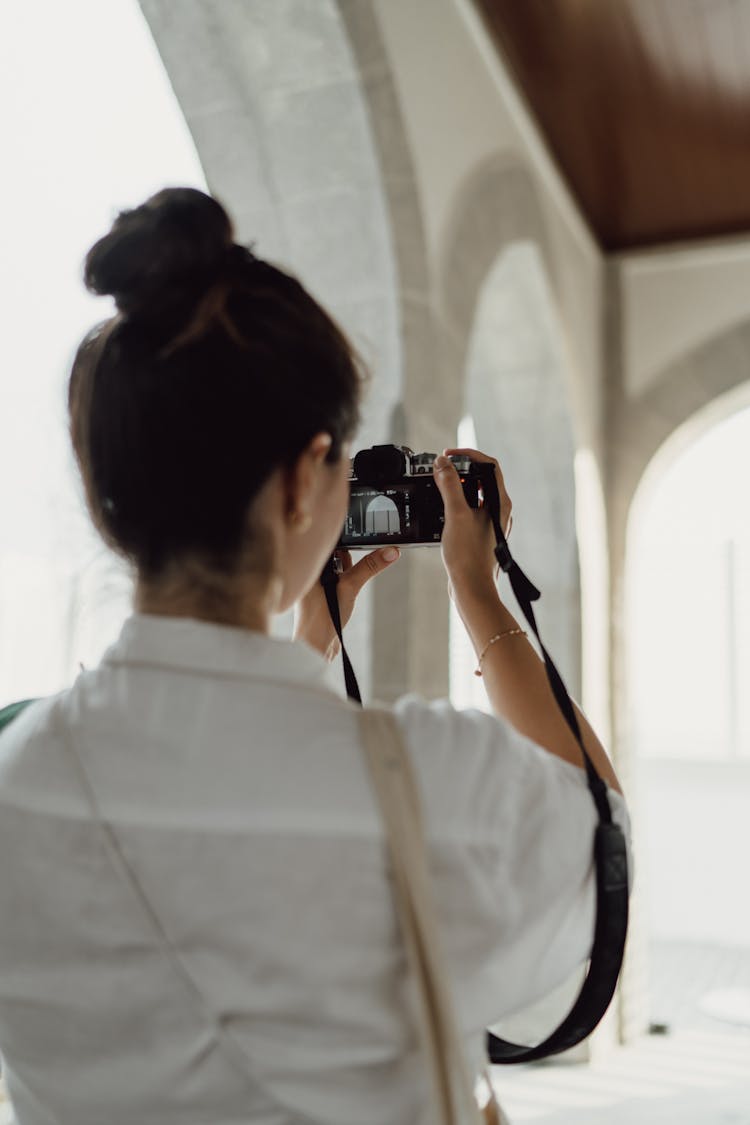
(515, 396)
(688, 658)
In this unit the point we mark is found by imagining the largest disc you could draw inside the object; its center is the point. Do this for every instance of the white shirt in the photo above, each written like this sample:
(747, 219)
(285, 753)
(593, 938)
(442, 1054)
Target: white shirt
(255, 972)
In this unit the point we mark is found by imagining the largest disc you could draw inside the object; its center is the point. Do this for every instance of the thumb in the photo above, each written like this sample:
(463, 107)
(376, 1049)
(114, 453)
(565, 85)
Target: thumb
(374, 563)
(449, 485)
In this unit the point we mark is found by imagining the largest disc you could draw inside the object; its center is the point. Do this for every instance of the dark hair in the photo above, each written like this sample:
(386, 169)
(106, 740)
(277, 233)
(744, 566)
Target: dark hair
(218, 368)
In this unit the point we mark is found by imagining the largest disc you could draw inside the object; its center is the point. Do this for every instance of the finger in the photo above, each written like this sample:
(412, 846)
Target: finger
(477, 455)
(373, 563)
(472, 454)
(483, 458)
(449, 485)
(345, 558)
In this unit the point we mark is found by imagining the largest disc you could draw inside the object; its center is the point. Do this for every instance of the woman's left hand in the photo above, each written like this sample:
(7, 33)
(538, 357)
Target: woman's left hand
(312, 620)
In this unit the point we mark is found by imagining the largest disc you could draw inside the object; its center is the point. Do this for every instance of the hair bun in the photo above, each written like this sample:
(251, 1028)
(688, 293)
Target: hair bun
(164, 251)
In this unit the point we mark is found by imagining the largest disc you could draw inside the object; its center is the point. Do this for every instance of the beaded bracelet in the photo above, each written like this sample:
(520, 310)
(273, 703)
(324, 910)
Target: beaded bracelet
(492, 641)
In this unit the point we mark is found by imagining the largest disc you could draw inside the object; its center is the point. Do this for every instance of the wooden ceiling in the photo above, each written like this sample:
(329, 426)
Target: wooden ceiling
(645, 105)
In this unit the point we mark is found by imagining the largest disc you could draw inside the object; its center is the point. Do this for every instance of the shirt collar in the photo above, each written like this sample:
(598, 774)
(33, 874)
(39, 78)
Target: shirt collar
(222, 650)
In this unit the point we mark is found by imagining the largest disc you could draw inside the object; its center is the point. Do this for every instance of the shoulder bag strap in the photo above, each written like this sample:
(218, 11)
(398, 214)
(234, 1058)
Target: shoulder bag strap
(395, 786)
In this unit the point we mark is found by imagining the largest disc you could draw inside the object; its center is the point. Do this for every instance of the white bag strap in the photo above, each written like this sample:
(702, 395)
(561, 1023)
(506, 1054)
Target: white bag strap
(395, 785)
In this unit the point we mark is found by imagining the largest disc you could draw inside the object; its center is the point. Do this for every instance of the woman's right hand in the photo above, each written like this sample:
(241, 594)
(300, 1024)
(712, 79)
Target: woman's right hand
(468, 540)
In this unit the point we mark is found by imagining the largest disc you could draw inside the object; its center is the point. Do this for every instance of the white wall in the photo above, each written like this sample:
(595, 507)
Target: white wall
(696, 845)
(676, 299)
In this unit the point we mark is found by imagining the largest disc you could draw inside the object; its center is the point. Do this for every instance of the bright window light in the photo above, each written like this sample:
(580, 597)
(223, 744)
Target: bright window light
(689, 601)
(91, 126)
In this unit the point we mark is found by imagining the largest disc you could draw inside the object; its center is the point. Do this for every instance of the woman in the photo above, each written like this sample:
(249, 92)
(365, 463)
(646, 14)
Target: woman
(197, 923)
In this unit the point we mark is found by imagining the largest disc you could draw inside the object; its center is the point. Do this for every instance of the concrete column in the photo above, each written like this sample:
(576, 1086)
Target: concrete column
(274, 96)
(409, 637)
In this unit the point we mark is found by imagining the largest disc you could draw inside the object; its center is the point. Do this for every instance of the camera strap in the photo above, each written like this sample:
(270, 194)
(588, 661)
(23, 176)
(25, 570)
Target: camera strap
(610, 852)
(329, 580)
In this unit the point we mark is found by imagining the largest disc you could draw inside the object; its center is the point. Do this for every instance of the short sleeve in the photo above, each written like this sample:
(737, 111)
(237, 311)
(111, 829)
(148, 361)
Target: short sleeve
(510, 831)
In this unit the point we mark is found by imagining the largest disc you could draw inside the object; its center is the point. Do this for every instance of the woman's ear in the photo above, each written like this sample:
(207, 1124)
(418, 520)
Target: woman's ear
(302, 480)
(319, 448)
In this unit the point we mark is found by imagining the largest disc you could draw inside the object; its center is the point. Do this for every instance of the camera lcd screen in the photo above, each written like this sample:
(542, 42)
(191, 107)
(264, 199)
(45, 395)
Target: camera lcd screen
(407, 513)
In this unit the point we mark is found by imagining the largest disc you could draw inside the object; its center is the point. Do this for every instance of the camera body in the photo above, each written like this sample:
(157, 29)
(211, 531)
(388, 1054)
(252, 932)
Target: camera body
(394, 498)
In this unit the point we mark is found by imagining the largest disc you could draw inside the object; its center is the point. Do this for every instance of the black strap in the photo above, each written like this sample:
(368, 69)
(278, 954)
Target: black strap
(605, 959)
(329, 580)
(610, 852)
(526, 593)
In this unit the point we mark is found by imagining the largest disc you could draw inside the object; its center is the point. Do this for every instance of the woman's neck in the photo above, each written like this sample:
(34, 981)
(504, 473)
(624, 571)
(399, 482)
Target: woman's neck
(191, 589)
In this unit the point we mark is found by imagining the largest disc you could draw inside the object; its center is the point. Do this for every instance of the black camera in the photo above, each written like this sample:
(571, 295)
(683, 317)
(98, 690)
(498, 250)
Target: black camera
(394, 498)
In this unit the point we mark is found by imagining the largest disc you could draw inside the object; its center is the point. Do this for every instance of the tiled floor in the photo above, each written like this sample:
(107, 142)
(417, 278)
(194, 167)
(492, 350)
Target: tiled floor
(689, 1078)
(684, 976)
(698, 1074)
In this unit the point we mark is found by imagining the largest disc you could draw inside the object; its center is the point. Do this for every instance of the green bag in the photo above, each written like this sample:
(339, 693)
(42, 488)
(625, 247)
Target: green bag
(8, 714)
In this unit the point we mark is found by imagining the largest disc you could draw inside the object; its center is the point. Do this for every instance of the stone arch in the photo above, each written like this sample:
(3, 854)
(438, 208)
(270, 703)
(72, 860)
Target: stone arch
(296, 121)
(497, 240)
(700, 386)
(273, 96)
(672, 450)
(498, 206)
(695, 391)
(709, 374)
